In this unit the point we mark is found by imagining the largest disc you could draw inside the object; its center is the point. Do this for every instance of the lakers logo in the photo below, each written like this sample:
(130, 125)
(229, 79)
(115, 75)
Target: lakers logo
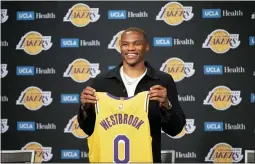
(80, 70)
(33, 43)
(33, 98)
(187, 129)
(4, 70)
(80, 15)
(42, 154)
(221, 98)
(220, 41)
(115, 42)
(173, 13)
(74, 128)
(4, 16)
(178, 69)
(224, 153)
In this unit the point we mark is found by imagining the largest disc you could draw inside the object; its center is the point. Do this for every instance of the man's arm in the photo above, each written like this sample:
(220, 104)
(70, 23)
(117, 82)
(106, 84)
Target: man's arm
(173, 119)
(86, 116)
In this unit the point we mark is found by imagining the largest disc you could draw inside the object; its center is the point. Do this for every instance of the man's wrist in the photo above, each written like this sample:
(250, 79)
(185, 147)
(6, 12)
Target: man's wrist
(84, 106)
(168, 106)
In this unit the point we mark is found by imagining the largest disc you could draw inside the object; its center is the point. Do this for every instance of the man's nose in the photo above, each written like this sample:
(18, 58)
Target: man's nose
(131, 47)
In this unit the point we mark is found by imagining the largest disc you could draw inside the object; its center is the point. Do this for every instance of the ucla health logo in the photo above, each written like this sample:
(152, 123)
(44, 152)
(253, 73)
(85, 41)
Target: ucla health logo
(173, 13)
(220, 41)
(4, 70)
(69, 98)
(70, 154)
(218, 13)
(162, 41)
(74, 128)
(219, 126)
(32, 126)
(70, 43)
(178, 69)
(115, 42)
(42, 154)
(4, 125)
(219, 69)
(81, 70)
(117, 14)
(33, 43)
(213, 69)
(221, 98)
(25, 15)
(252, 40)
(169, 41)
(31, 71)
(33, 98)
(211, 13)
(25, 126)
(4, 16)
(213, 126)
(187, 129)
(76, 42)
(80, 15)
(25, 70)
(123, 14)
(224, 153)
(31, 15)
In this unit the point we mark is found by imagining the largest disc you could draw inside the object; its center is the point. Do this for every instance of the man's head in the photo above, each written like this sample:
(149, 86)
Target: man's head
(133, 45)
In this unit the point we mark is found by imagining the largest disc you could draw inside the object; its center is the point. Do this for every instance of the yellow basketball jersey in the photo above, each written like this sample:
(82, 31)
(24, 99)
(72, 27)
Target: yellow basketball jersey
(122, 130)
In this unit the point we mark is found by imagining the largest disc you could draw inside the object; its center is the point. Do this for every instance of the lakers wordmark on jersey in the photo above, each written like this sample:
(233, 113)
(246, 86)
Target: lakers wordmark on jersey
(122, 131)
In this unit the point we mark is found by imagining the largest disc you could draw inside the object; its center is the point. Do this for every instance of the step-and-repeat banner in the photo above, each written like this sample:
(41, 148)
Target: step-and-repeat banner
(50, 51)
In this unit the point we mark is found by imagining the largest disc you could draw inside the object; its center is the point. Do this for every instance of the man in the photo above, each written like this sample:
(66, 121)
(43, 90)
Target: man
(132, 76)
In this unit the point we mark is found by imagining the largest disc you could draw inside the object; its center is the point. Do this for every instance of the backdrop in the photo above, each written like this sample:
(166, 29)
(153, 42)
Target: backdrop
(52, 50)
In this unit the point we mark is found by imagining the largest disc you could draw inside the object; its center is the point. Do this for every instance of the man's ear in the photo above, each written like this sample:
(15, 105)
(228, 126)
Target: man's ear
(147, 48)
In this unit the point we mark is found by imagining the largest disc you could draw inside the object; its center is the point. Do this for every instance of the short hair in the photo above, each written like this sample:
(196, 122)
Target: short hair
(136, 29)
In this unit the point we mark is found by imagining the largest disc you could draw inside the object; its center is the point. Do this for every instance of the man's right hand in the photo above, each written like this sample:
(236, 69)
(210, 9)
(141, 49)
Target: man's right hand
(88, 96)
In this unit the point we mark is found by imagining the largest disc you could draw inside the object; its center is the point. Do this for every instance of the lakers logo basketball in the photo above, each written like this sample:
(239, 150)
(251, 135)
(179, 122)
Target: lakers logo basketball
(80, 15)
(173, 13)
(187, 129)
(4, 16)
(33, 98)
(74, 128)
(224, 153)
(33, 43)
(42, 154)
(4, 70)
(220, 41)
(80, 70)
(221, 98)
(115, 42)
(178, 69)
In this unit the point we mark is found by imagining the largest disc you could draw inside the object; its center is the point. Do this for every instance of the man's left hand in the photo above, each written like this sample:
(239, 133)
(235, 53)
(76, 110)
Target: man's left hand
(157, 92)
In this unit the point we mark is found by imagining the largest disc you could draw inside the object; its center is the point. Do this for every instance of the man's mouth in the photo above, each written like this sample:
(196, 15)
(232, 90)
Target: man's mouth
(131, 55)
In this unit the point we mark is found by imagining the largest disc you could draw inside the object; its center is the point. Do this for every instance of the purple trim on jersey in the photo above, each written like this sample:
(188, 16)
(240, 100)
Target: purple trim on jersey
(118, 98)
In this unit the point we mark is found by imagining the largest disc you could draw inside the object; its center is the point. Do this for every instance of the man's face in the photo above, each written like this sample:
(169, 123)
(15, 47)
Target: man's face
(133, 46)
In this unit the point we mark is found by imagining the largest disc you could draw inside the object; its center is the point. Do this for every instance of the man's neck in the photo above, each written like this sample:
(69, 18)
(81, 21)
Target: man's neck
(134, 71)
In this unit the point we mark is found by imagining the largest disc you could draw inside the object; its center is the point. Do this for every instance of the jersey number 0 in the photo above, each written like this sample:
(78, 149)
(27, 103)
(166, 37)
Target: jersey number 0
(125, 140)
